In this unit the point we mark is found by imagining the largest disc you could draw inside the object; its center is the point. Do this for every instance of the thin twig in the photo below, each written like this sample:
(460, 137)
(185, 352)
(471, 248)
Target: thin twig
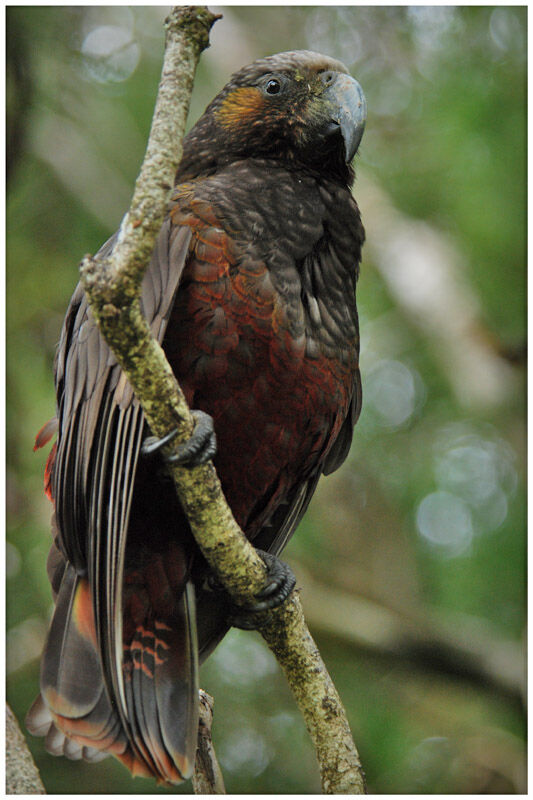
(113, 292)
(207, 777)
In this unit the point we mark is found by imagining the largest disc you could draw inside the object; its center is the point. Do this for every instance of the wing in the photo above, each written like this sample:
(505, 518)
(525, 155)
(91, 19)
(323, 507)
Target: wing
(341, 446)
(274, 536)
(94, 398)
(92, 484)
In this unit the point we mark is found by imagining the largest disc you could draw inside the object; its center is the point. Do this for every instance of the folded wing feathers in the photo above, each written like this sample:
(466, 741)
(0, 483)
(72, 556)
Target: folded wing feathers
(102, 428)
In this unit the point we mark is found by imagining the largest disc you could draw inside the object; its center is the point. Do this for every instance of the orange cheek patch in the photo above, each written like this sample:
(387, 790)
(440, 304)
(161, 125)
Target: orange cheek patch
(241, 105)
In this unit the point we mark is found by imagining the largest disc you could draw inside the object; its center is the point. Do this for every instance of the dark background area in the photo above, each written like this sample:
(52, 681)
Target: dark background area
(411, 558)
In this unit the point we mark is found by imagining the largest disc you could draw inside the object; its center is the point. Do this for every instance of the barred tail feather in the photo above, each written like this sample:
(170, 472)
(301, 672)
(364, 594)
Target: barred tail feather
(161, 689)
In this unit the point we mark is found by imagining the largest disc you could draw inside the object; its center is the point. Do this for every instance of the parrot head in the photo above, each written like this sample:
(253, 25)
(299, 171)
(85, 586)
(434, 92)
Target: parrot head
(298, 106)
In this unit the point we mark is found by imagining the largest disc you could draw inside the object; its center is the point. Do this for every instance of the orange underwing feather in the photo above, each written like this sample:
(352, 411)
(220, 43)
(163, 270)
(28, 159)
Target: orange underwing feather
(46, 433)
(48, 472)
(82, 612)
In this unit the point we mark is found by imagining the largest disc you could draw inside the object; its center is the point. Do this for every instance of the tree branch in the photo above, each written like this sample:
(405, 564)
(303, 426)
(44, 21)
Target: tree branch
(207, 778)
(113, 287)
(22, 776)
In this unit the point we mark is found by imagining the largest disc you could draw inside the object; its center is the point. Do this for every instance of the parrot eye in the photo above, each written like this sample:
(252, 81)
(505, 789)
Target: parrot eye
(273, 85)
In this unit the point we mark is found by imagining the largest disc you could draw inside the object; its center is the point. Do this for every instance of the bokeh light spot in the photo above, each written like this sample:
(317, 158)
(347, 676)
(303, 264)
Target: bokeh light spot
(245, 751)
(13, 560)
(445, 523)
(506, 31)
(479, 469)
(244, 660)
(24, 643)
(110, 54)
(394, 392)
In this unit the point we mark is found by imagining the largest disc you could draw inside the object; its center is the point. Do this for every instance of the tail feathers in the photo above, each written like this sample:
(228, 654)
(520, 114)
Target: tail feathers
(40, 722)
(73, 711)
(160, 668)
(72, 684)
(155, 734)
(71, 678)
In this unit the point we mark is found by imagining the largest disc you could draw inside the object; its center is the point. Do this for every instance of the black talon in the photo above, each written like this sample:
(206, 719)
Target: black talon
(153, 445)
(199, 448)
(279, 585)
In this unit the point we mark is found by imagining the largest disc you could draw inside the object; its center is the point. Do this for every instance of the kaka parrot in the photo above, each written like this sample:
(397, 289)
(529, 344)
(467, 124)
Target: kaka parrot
(251, 291)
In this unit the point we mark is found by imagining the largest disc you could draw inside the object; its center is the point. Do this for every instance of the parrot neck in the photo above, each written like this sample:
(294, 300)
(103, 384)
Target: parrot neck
(204, 154)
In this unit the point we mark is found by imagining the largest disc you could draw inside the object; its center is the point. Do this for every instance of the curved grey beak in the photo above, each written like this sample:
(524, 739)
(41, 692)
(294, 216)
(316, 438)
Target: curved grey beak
(347, 104)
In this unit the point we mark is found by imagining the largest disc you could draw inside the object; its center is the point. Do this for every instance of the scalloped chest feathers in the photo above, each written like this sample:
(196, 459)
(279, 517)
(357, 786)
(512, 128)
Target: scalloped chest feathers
(263, 334)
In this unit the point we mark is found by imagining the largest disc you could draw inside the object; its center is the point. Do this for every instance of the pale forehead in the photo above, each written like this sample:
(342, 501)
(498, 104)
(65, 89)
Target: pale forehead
(300, 60)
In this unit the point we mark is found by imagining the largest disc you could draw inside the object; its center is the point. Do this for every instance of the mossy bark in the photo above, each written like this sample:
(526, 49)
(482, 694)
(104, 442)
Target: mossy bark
(113, 288)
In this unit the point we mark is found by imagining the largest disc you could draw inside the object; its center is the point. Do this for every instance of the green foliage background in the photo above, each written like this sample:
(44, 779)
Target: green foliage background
(426, 520)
